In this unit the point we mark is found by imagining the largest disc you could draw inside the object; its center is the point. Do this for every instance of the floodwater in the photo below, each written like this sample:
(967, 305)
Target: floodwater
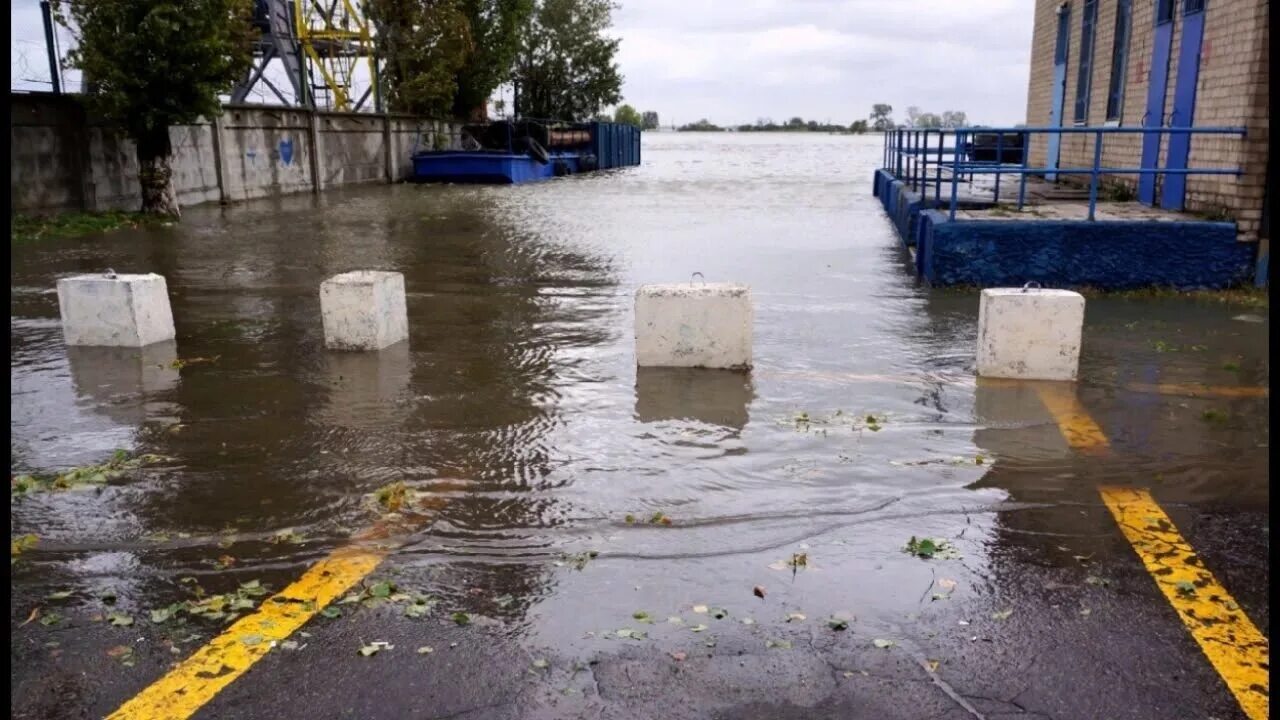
(517, 408)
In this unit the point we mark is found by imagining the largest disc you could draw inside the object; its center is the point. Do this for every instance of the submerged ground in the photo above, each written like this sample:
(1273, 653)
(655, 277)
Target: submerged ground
(531, 573)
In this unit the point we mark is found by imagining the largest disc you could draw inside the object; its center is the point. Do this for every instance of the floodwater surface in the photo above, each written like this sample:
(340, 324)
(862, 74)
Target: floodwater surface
(542, 459)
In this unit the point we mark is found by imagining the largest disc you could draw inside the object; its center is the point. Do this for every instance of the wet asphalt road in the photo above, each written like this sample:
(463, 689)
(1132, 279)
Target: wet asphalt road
(516, 410)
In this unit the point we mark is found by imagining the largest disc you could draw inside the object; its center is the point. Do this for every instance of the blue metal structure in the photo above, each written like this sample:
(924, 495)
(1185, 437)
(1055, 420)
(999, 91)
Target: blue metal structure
(910, 153)
(1161, 45)
(510, 153)
(1059, 97)
(1184, 101)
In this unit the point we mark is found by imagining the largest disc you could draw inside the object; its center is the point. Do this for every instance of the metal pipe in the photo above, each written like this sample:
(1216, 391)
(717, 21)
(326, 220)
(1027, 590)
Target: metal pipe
(955, 168)
(1022, 179)
(1093, 181)
(999, 162)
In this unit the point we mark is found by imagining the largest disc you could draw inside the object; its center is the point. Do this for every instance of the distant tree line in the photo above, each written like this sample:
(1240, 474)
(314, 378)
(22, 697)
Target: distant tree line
(882, 118)
(629, 116)
(795, 124)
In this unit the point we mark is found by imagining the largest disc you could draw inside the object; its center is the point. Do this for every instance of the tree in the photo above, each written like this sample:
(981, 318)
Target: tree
(494, 27)
(913, 116)
(627, 115)
(158, 63)
(650, 120)
(954, 119)
(881, 118)
(796, 123)
(928, 120)
(424, 46)
(565, 67)
(858, 127)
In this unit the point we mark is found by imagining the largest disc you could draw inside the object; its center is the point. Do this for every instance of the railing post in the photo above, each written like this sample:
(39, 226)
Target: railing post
(937, 186)
(1022, 181)
(955, 170)
(1093, 182)
(898, 160)
(922, 162)
(999, 163)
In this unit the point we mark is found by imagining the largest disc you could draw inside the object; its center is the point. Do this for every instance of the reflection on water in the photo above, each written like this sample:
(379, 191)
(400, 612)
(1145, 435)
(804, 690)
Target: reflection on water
(368, 389)
(714, 397)
(122, 382)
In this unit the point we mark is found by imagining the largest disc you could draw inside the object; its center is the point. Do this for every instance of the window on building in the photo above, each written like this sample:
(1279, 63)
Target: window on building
(1083, 80)
(1193, 6)
(1164, 11)
(1119, 59)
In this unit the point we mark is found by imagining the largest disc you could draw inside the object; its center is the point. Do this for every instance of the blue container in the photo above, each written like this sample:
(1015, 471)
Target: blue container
(615, 145)
(491, 168)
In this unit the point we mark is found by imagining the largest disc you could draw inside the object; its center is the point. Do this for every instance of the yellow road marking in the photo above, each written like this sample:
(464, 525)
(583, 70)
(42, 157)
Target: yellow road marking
(1231, 642)
(1235, 647)
(1077, 427)
(194, 682)
(1224, 391)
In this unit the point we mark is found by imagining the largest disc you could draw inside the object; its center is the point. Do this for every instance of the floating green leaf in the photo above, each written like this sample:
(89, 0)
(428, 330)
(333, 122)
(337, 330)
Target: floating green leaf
(50, 618)
(719, 613)
(331, 612)
(779, 644)
(838, 623)
(882, 643)
(60, 595)
(251, 639)
(1185, 588)
(541, 663)
(119, 619)
(461, 618)
(698, 628)
(641, 616)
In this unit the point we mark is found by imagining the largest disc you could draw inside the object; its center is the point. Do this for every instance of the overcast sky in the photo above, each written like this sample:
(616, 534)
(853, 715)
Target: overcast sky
(734, 61)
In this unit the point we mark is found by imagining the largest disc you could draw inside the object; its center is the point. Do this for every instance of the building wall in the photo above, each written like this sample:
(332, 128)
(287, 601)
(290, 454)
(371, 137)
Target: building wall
(63, 159)
(1232, 91)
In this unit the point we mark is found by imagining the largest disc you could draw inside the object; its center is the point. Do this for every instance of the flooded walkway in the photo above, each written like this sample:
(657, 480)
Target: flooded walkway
(535, 576)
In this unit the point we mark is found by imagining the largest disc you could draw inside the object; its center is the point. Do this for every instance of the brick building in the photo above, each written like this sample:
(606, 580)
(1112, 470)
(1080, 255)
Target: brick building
(1123, 62)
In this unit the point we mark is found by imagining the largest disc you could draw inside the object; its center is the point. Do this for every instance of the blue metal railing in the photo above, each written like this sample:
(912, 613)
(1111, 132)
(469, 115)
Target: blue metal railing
(910, 154)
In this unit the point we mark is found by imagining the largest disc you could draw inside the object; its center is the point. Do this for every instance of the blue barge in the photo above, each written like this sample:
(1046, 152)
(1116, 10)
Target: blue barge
(506, 153)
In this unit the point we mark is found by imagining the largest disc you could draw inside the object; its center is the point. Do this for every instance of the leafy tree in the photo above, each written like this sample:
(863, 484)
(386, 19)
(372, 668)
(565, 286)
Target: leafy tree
(954, 119)
(158, 63)
(796, 122)
(928, 120)
(650, 120)
(858, 127)
(703, 125)
(565, 67)
(913, 116)
(881, 118)
(628, 115)
(425, 45)
(602, 117)
(494, 27)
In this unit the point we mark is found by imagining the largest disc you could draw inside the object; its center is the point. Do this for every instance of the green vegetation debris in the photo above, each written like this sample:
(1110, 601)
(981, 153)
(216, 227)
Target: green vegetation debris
(641, 616)
(119, 619)
(87, 476)
(26, 228)
(719, 613)
(541, 664)
(882, 643)
(1214, 416)
(287, 535)
(391, 497)
(928, 548)
(123, 653)
(836, 623)
(1185, 588)
(426, 650)
(1001, 614)
(374, 648)
(778, 644)
(461, 618)
(21, 544)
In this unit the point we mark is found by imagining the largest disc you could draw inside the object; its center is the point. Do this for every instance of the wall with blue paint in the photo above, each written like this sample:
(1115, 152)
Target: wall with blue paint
(1063, 253)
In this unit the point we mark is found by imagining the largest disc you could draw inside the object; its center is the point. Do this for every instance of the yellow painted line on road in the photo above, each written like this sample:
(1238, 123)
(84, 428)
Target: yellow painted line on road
(1074, 422)
(195, 681)
(1222, 391)
(1231, 642)
(1235, 647)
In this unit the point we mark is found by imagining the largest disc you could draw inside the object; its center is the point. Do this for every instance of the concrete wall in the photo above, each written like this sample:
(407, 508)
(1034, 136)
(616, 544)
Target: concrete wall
(64, 159)
(1232, 90)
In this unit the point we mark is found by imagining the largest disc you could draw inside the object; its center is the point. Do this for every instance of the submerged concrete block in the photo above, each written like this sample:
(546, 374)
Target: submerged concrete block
(686, 325)
(363, 310)
(1029, 333)
(110, 310)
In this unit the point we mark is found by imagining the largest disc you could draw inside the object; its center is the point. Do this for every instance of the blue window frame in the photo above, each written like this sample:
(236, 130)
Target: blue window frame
(1193, 6)
(1085, 77)
(1119, 59)
(1164, 11)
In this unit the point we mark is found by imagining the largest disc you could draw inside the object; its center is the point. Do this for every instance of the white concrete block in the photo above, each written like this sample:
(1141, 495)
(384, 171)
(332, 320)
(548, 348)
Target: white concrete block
(110, 310)
(694, 325)
(363, 310)
(1029, 333)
